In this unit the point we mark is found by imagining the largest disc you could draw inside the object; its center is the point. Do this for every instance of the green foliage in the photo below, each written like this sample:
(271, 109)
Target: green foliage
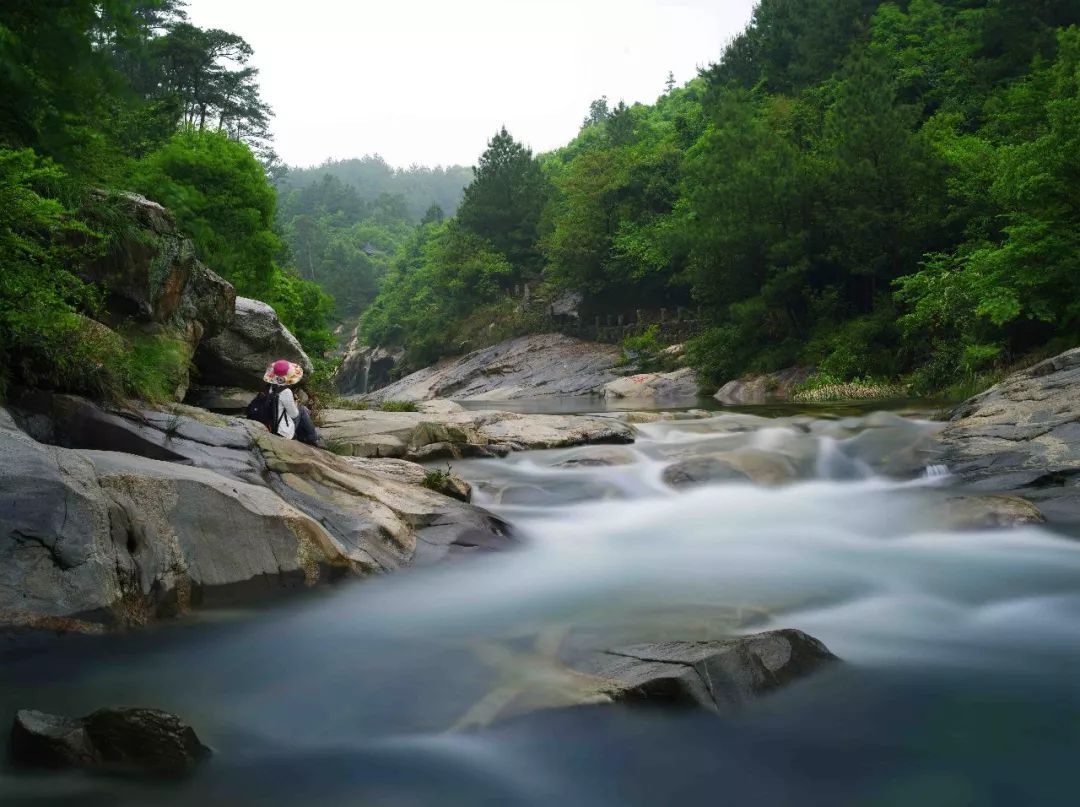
(442, 276)
(398, 406)
(437, 479)
(504, 201)
(220, 196)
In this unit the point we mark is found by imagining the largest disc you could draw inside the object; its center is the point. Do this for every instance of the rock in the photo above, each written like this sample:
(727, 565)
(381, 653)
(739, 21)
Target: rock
(746, 464)
(681, 384)
(1022, 437)
(240, 354)
(718, 676)
(990, 512)
(762, 388)
(365, 369)
(567, 305)
(151, 275)
(231, 400)
(656, 417)
(124, 741)
(597, 457)
(417, 435)
(527, 367)
(197, 509)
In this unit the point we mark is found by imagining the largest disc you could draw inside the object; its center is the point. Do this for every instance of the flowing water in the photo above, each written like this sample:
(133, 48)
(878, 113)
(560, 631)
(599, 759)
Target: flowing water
(961, 681)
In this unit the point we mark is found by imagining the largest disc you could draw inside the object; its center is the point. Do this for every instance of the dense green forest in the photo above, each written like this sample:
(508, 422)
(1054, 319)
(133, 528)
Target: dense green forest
(127, 95)
(885, 190)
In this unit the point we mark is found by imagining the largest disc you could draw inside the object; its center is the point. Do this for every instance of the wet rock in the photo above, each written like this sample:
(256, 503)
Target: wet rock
(240, 354)
(365, 369)
(529, 367)
(1022, 437)
(681, 384)
(744, 465)
(597, 457)
(990, 512)
(718, 676)
(422, 436)
(763, 388)
(121, 741)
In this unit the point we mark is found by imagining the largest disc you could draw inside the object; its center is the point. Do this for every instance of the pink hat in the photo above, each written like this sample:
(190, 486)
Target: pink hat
(283, 372)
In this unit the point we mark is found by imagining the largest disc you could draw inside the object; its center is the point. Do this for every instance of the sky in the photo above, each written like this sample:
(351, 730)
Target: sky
(428, 82)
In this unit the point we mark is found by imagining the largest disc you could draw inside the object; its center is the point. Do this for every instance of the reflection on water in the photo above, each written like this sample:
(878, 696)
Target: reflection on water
(962, 647)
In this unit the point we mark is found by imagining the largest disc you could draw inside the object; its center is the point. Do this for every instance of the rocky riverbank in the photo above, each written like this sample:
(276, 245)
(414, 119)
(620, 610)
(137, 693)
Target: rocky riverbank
(114, 518)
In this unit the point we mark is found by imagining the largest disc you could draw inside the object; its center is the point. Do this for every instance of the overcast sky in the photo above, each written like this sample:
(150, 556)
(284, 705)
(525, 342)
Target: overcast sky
(429, 81)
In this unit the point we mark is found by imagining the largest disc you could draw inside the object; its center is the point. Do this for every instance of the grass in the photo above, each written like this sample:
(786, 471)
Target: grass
(339, 447)
(398, 406)
(437, 479)
(824, 388)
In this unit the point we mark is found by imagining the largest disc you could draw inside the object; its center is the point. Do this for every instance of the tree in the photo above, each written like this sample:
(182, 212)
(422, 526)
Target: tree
(598, 112)
(504, 202)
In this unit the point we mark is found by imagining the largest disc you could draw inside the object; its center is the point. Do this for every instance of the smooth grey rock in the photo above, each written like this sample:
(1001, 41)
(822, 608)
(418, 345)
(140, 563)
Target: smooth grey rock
(240, 354)
(765, 387)
(680, 384)
(718, 676)
(528, 367)
(118, 741)
(1022, 436)
(419, 435)
(196, 509)
(742, 465)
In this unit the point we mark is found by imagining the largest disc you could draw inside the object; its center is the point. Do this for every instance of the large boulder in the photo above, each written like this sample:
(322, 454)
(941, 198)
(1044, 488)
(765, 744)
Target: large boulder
(764, 387)
(459, 433)
(139, 514)
(240, 354)
(151, 275)
(528, 367)
(1022, 437)
(678, 385)
(117, 741)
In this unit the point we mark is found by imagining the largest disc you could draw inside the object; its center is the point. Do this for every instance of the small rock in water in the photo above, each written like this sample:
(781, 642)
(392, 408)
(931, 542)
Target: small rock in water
(123, 741)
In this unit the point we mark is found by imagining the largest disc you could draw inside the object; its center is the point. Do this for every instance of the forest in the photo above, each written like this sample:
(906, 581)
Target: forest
(884, 190)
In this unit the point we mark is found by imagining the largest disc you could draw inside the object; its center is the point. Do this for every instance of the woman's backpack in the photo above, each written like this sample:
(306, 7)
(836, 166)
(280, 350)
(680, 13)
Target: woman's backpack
(264, 408)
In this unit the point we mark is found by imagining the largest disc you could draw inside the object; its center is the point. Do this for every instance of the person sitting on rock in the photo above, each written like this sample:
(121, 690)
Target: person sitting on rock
(291, 420)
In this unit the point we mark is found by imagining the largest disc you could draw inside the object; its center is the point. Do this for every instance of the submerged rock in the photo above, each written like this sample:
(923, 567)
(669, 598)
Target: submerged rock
(240, 354)
(1022, 437)
(990, 512)
(123, 741)
(718, 676)
(528, 367)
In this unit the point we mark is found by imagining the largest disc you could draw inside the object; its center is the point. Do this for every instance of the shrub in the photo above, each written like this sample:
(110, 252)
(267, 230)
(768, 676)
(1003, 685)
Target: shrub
(398, 406)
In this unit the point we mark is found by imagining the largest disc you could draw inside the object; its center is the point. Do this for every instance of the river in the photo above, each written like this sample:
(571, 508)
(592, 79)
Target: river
(960, 683)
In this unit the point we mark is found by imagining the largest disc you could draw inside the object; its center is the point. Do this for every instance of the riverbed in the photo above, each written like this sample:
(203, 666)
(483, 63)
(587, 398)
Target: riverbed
(961, 647)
